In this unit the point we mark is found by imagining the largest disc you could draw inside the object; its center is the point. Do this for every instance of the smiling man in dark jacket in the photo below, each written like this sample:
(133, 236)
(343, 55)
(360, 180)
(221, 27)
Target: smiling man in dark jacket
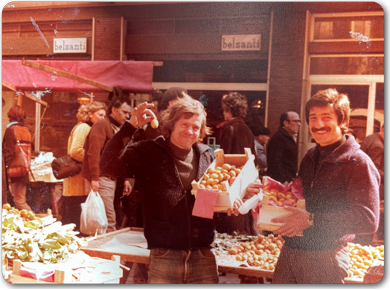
(163, 170)
(341, 190)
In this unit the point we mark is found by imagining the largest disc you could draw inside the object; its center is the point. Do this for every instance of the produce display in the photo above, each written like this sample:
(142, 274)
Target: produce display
(279, 198)
(362, 257)
(213, 178)
(258, 251)
(33, 239)
(262, 252)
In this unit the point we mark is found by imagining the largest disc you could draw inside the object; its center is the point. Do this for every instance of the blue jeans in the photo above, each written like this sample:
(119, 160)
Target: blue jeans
(168, 266)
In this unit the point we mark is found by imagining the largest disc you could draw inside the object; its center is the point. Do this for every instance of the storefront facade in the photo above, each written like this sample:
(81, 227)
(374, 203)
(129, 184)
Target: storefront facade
(277, 54)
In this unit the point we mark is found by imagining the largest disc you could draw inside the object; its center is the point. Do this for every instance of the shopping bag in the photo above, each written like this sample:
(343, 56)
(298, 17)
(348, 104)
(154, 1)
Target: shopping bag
(93, 218)
(65, 166)
(20, 164)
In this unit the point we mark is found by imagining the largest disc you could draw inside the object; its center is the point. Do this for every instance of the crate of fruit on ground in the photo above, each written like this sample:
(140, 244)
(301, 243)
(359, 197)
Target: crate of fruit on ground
(230, 174)
(275, 196)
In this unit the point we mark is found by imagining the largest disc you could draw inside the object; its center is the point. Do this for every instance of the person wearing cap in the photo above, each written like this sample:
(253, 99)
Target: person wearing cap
(262, 137)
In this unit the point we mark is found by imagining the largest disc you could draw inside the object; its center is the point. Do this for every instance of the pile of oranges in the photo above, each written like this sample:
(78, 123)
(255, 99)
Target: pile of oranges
(263, 252)
(279, 197)
(213, 178)
(362, 257)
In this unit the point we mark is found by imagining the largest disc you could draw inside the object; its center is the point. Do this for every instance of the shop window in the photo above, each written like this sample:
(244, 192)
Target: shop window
(366, 65)
(359, 98)
(360, 28)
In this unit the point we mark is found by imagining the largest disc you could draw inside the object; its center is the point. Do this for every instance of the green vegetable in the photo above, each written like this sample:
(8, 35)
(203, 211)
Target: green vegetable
(31, 241)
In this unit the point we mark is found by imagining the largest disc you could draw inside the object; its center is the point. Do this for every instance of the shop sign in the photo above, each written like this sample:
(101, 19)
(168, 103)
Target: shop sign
(70, 45)
(242, 42)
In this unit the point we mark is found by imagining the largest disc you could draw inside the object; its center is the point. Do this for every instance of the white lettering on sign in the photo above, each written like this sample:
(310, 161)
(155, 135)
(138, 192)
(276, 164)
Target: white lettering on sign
(69, 45)
(243, 42)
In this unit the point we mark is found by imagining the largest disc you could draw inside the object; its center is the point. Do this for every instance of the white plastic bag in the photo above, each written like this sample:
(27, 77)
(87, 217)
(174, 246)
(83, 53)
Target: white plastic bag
(93, 215)
(251, 203)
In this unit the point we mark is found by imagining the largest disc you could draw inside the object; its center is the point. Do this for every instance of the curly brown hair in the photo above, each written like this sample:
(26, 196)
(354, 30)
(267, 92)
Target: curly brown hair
(236, 104)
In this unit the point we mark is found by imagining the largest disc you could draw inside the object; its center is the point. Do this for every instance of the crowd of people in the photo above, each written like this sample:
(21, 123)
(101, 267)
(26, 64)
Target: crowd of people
(144, 174)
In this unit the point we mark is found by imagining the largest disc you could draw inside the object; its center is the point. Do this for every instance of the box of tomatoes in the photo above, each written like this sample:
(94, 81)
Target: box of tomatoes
(230, 174)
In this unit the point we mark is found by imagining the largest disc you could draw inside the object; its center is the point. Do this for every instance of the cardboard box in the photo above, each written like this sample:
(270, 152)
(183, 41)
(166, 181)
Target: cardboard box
(248, 174)
(97, 271)
(269, 212)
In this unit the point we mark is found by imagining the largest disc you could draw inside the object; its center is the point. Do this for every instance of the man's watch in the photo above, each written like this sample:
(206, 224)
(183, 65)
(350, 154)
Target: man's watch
(310, 221)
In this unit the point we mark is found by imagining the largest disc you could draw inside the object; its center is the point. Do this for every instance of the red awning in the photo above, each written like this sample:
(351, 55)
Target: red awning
(134, 76)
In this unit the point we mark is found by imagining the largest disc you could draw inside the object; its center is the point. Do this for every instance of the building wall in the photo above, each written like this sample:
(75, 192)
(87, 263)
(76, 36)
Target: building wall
(286, 65)
(175, 31)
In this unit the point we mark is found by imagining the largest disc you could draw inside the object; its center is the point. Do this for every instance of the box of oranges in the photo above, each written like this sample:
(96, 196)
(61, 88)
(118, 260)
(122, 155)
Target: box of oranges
(230, 174)
(275, 197)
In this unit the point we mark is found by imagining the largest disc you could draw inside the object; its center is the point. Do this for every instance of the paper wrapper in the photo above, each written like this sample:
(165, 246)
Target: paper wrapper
(295, 187)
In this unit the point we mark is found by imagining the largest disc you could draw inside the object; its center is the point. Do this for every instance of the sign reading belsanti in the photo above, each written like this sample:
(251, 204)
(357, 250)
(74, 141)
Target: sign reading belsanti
(69, 45)
(241, 42)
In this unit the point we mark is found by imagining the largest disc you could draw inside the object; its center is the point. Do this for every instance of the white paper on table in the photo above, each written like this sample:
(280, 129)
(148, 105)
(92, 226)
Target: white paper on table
(123, 240)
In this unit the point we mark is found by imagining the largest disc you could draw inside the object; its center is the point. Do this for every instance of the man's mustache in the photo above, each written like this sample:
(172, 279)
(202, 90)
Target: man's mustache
(320, 129)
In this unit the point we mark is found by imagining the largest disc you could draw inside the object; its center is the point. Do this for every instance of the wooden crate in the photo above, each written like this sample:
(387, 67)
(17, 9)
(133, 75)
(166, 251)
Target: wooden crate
(64, 276)
(248, 174)
(268, 212)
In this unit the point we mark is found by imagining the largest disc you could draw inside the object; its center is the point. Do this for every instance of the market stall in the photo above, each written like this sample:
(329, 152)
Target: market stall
(88, 76)
(33, 79)
(43, 250)
(130, 244)
(42, 245)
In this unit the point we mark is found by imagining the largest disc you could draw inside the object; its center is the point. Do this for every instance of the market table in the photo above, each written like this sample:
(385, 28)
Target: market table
(43, 181)
(130, 244)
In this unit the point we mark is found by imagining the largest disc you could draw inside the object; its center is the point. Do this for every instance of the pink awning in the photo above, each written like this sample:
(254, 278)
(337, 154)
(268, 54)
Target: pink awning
(133, 76)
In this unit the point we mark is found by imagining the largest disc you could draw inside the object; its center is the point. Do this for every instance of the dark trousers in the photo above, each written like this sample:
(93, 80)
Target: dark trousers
(71, 210)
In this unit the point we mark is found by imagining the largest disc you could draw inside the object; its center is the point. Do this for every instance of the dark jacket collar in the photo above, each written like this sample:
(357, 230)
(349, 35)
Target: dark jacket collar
(342, 153)
(112, 120)
(284, 132)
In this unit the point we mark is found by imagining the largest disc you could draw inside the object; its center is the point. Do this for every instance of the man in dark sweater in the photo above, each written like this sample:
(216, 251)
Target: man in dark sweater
(341, 191)
(282, 149)
(163, 170)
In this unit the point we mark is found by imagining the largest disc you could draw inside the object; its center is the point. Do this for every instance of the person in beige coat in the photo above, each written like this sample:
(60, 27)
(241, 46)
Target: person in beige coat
(75, 192)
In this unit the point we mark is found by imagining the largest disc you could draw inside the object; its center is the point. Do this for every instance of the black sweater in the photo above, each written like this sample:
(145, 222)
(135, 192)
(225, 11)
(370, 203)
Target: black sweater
(167, 206)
